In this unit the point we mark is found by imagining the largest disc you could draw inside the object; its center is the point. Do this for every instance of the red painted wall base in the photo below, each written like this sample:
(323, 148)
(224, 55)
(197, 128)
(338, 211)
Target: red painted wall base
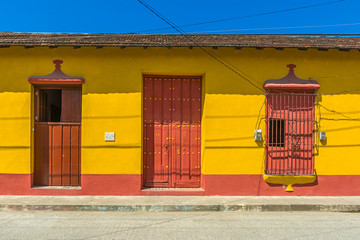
(226, 185)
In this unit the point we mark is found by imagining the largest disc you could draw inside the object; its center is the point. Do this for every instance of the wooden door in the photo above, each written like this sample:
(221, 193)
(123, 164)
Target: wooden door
(172, 131)
(57, 137)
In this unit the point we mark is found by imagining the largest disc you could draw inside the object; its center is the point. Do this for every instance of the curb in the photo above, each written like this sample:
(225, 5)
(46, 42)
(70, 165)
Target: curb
(185, 208)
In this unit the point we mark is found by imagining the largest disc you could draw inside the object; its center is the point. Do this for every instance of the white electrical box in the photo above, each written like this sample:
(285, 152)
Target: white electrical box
(258, 135)
(109, 137)
(322, 136)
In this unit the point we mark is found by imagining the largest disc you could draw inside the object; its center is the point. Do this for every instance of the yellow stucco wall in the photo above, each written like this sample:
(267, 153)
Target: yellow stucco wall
(112, 101)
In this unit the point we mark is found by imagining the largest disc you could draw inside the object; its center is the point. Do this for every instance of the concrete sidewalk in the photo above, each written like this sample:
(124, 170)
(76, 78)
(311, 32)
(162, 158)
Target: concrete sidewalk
(179, 203)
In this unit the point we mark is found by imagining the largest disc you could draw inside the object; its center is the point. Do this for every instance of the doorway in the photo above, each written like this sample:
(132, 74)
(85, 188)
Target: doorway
(172, 131)
(57, 131)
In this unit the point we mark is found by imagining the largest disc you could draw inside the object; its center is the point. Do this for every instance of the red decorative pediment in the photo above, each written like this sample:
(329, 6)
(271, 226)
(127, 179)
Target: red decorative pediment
(291, 81)
(57, 77)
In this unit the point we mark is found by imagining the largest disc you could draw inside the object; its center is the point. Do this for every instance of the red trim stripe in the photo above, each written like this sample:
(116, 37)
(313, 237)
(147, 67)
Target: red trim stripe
(229, 185)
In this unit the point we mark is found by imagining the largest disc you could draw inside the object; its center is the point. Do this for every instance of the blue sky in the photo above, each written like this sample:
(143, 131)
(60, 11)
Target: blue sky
(129, 16)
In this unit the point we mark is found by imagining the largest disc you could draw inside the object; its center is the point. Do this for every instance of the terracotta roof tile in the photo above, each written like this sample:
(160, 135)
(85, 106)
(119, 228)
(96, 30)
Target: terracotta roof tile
(173, 40)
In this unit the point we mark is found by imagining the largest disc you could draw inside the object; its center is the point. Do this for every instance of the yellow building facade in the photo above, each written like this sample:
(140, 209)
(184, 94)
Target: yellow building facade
(231, 162)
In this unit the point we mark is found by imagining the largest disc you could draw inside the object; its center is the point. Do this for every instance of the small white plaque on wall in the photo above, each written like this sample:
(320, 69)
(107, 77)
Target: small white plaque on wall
(109, 137)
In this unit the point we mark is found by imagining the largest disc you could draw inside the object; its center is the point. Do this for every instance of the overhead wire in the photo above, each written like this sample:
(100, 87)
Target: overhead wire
(304, 34)
(346, 118)
(183, 33)
(333, 111)
(180, 31)
(343, 75)
(258, 117)
(342, 92)
(340, 119)
(212, 55)
(247, 16)
(274, 28)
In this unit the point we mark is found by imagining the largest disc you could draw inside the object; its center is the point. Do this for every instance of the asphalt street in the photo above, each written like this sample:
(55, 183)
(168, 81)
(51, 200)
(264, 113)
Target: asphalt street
(178, 225)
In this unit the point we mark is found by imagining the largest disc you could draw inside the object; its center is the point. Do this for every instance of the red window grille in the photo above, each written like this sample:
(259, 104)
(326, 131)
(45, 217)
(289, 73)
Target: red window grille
(290, 122)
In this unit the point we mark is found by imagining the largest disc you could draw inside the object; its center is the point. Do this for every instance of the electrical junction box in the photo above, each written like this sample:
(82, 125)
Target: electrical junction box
(258, 135)
(109, 137)
(322, 136)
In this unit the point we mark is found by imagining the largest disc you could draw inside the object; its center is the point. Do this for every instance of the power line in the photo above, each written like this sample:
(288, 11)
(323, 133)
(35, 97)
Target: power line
(338, 93)
(247, 16)
(341, 119)
(274, 28)
(333, 111)
(303, 34)
(258, 117)
(221, 61)
(339, 76)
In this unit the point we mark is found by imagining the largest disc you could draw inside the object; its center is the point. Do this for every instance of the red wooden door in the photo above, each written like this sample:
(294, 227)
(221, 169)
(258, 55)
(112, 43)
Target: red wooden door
(57, 137)
(172, 131)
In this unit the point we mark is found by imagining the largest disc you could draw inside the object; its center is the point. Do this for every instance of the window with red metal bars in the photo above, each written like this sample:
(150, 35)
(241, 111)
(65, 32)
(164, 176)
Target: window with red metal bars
(290, 120)
(276, 132)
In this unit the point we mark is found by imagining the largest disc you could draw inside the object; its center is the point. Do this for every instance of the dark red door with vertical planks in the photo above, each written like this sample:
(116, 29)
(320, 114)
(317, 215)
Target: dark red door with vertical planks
(172, 131)
(57, 137)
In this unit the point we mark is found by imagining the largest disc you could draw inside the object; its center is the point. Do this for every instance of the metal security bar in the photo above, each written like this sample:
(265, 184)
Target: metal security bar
(290, 120)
